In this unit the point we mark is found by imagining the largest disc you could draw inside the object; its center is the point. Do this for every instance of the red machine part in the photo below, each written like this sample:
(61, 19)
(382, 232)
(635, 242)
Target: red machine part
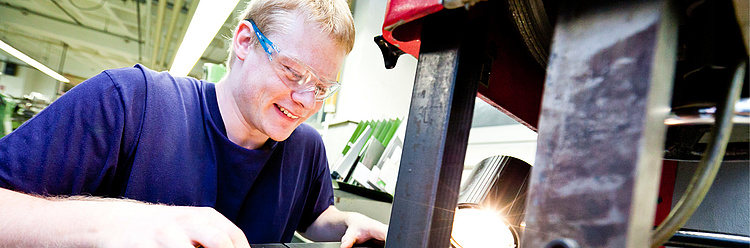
(402, 26)
(666, 189)
(516, 84)
(516, 81)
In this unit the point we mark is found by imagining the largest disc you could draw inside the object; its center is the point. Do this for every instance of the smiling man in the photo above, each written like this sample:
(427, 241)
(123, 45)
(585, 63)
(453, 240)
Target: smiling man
(134, 157)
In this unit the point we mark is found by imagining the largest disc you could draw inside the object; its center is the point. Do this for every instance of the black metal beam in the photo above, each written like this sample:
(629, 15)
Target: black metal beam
(437, 130)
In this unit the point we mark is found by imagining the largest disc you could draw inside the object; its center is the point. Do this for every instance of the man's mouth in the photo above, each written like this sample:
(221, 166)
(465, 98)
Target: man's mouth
(287, 113)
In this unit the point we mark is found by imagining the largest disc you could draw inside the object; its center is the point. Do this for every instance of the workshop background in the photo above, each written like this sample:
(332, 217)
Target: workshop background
(80, 38)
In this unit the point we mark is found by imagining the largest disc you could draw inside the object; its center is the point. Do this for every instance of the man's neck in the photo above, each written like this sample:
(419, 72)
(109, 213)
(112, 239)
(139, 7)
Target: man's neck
(238, 130)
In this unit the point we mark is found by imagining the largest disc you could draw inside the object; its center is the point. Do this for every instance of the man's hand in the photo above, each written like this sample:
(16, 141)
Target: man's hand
(348, 227)
(141, 225)
(28, 221)
(360, 229)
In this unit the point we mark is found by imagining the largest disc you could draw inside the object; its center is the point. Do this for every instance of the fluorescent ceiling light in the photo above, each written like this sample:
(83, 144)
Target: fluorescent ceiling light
(207, 20)
(39, 66)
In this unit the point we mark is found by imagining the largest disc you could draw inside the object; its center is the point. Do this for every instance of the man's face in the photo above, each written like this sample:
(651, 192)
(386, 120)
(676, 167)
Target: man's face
(264, 100)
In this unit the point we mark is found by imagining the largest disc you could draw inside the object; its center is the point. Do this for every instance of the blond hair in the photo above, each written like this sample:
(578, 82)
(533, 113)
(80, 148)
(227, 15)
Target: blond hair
(333, 17)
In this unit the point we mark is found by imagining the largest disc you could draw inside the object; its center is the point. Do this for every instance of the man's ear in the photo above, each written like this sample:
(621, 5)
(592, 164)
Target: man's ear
(243, 40)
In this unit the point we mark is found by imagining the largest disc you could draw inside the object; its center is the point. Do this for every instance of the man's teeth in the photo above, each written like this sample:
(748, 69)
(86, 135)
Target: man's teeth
(290, 115)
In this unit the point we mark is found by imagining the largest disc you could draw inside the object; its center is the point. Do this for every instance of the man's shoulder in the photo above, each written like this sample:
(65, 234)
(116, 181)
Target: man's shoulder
(128, 74)
(140, 78)
(127, 81)
(141, 73)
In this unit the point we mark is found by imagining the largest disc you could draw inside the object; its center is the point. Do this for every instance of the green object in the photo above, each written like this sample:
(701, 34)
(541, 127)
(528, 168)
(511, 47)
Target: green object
(383, 131)
(379, 131)
(6, 109)
(376, 127)
(391, 132)
(357, 131)
(214, 72)
(381, 183)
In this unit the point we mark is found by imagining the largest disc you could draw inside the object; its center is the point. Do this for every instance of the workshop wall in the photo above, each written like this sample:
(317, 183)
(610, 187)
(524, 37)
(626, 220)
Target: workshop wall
(369, 91)
(36, 81)
(27, 80)
(13, 85)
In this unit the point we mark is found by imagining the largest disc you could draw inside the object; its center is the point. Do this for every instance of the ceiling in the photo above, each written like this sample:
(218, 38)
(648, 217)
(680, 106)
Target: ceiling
(80, 38)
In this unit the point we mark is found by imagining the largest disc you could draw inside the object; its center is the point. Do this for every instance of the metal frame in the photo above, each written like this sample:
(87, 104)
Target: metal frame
(601, 129)
(437, 132)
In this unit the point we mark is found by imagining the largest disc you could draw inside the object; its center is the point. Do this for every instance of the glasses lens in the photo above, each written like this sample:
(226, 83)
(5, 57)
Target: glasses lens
(291, 70)
(325, 90)
(329, 90)
(301, 78)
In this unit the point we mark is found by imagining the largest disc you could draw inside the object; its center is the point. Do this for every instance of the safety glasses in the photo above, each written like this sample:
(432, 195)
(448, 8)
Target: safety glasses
(295, 74)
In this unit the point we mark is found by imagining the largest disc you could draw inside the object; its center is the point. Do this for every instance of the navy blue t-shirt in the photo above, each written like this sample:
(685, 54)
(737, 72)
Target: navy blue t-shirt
(143, 135)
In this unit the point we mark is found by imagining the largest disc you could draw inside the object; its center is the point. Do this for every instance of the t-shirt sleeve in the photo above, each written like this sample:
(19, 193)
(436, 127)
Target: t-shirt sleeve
(320, 196)
(71, 147)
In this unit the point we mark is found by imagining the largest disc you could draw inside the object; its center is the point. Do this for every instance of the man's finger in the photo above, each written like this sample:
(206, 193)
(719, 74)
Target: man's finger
(173, 238)
(348, 240)
(235, 234)
(378, 231)
(210, 237)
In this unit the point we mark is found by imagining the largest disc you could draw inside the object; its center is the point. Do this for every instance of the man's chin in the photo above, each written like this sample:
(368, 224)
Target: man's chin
(282, 132)
(279, 137)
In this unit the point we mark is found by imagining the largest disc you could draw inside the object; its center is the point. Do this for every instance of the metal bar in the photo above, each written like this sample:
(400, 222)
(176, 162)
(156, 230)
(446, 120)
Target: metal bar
(67, 13)
(181, 31)
(176, 9)
(688, 238)
(158, 33)
(601, 131)
(59, 86)
(437, 132)
(140, 43)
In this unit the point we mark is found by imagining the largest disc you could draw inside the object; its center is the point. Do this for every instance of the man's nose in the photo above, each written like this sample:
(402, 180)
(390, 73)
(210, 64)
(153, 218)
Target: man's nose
(304, 98)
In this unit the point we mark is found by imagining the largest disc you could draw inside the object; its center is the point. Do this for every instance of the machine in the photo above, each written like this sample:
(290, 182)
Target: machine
(613, 88)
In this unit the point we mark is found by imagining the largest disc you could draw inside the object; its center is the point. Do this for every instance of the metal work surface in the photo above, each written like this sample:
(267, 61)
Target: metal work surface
(437, 133)
(601, 129)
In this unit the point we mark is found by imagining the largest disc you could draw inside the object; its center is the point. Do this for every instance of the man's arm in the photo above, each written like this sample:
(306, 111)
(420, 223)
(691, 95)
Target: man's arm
(349, 227)
(29, 221)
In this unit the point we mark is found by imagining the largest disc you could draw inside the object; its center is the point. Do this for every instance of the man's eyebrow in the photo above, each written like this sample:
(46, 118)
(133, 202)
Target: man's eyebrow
(326, 79)
(322, 77)
(307, 66)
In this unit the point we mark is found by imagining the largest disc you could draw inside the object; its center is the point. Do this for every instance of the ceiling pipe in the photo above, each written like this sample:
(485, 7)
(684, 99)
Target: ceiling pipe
(183, 29)
(176, 9)
(67, 13)
(59, 86)
(157, 32)
(148, 40)
(140, 37)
